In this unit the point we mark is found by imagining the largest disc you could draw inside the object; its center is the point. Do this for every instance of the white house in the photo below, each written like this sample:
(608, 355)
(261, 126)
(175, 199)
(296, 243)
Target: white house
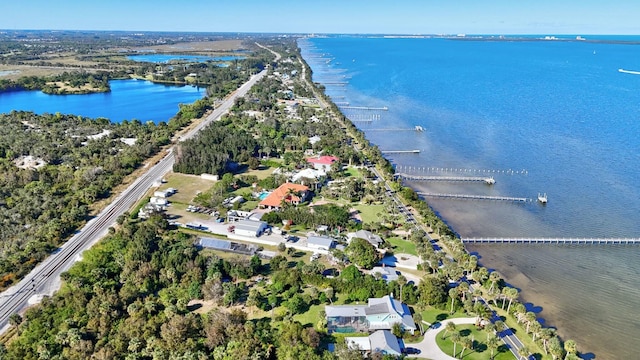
(320, 242)
(388, 273)
(381, 341)
(250, 228)
(323, 162)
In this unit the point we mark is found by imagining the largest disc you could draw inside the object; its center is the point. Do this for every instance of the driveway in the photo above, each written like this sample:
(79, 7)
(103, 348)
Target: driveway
(428, 347)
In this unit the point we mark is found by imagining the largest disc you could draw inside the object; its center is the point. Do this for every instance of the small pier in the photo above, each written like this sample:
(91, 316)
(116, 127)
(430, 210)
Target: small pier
(336, 83)
(341, 103)
(476, 197)
(582, 241)
(384, 108)
(363, 117)
(400, 151)
(487, 180)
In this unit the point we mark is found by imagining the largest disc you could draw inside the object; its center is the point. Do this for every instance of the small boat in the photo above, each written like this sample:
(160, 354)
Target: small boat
(542, 198)
(490, 180)
(629, 71)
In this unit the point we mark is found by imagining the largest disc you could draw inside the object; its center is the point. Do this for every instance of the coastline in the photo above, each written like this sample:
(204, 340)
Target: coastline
(527, 296)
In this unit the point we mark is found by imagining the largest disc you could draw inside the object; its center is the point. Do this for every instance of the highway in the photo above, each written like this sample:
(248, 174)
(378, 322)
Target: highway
(44, 279)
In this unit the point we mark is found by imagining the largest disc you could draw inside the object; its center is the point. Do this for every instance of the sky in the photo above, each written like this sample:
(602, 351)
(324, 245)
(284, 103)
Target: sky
(580, 17)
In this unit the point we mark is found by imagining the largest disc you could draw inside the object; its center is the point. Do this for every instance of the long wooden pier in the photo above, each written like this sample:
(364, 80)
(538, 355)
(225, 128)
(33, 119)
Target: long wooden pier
(400, 151)
(475, 197)
(488, 180)
(589, 241)
(427, 169)
(384, 108)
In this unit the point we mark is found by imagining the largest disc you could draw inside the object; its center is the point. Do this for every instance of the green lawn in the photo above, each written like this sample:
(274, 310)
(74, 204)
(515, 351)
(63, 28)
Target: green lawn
(352, 172)
(368, 213)
(479, 350)
(402, 246)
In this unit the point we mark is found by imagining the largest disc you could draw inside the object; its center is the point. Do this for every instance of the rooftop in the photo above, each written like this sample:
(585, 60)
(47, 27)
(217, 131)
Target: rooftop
(283, 192)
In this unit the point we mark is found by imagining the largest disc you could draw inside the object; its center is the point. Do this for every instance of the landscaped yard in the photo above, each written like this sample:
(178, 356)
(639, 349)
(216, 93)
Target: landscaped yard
(401, 246)
(479, 351)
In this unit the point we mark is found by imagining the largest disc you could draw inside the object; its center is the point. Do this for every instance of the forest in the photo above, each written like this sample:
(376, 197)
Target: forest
(41, 204)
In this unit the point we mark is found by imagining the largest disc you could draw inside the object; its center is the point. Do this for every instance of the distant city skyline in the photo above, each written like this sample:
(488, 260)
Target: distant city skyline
(330, 16)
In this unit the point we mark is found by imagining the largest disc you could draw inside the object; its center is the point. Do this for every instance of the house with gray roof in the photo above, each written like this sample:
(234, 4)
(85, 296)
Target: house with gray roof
(372, 238)
(378, 314)
(381, 341)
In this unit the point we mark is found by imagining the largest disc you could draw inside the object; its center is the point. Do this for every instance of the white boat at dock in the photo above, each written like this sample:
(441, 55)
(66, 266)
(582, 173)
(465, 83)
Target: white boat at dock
(542, 198)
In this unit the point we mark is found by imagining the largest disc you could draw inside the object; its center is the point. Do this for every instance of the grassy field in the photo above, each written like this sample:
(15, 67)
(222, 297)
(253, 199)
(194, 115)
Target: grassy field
(479, 350)
(402, 246)
(368, 213)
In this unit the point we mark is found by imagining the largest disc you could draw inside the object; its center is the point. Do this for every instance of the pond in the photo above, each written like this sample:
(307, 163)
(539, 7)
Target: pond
(129, 99)
(165, 58)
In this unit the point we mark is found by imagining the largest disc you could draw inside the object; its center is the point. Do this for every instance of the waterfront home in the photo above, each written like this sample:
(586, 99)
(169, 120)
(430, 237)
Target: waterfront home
(378, 314)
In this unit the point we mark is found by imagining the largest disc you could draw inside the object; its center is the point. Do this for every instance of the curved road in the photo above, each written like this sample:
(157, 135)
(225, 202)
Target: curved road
(45, 278)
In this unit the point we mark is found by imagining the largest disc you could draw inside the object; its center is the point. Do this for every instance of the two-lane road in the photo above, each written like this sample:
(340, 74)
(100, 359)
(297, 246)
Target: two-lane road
(45, 278)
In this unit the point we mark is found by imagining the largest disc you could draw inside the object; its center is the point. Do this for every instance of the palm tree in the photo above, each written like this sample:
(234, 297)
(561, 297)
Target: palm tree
(535, 330)
(417, 318)
(481, 312)
(490, 328)
(524, 352)
(451, 326)
(453, 294)
(464, 289)
(513, 294)
(402, 281)
(493, 343)
(466, 343)
(547, 334)
(494, 277)
(530, 316)
(455, 339)
(570, 347)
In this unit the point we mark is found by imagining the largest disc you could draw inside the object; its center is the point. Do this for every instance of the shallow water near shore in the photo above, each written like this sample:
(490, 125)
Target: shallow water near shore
(540, 117)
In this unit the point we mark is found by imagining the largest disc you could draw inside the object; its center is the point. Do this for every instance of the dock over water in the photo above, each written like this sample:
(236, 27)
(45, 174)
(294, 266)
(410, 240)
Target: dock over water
(584, 241)
(475, 197)
(487, 180)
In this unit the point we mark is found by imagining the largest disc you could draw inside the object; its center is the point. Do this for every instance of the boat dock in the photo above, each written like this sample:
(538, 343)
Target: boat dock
(416, 129)
(400, 151)
(587, 241)
(384, 108)
(427, 169)
(476, 197)
(488, 180)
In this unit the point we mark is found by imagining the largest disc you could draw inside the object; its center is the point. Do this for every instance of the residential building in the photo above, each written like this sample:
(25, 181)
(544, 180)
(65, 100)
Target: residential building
(320, 242)
(287, 192)
(388, 273)
(323, 162)
(372, 238)
(378, 314)
(381, 341)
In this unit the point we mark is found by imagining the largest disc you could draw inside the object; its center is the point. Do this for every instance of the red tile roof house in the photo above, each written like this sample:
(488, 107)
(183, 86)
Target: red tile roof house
(287, 192)
(322, 162)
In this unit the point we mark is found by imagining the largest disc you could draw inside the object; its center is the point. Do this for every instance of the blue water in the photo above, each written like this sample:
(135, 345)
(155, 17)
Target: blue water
(558, 110)
(165, 58)
(128, 100)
